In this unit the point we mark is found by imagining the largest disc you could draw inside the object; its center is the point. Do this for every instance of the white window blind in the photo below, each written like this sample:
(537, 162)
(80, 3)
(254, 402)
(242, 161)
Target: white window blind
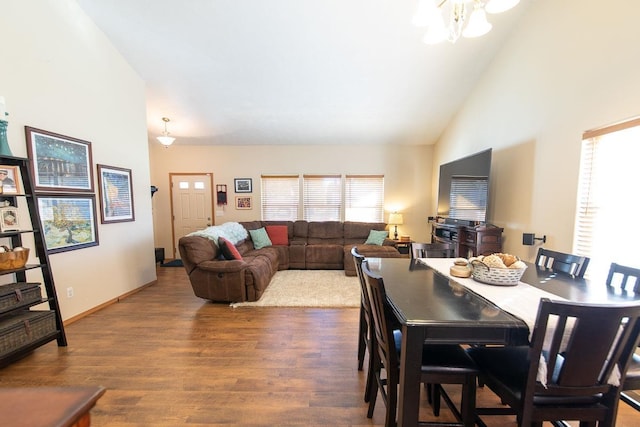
(280, 197)
(364, 198)
(607, 197)
(322, 196)
(468, 198)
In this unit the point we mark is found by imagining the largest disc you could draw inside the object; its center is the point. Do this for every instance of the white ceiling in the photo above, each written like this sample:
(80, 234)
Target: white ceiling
(294, 71)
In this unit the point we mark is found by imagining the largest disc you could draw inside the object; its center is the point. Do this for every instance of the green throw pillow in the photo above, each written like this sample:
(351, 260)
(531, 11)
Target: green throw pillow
(260, 238)
(376, 237)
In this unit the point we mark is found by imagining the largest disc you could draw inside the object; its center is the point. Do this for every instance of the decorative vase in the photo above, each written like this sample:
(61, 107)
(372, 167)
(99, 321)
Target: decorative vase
(4, 144)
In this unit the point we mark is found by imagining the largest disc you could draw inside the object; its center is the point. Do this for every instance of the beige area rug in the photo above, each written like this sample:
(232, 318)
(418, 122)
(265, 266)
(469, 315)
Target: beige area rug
(309, 288)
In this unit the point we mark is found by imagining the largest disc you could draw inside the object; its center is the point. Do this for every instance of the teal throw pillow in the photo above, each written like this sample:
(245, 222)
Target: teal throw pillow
(260, 238)
(376, 237)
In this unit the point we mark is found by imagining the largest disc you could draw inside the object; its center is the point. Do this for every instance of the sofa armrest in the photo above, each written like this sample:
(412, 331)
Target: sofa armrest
(220, 266)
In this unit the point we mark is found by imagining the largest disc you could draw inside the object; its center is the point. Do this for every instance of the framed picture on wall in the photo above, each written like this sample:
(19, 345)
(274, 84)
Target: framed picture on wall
(116, 194)
(68, 221)
(243, 185)
(243, 202)
(59, 163)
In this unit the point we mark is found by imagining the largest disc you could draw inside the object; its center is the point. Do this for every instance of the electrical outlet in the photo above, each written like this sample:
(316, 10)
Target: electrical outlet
(69, 292)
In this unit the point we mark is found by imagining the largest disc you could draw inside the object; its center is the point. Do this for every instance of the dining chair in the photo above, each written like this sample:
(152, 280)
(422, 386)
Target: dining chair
(432, 250)
(441, 363)
(366, 334)
(625, 280)
(560, 262)
(570, 370)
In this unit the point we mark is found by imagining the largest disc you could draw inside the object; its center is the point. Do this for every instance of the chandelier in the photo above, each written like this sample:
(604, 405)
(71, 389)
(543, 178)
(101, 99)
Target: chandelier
(165, 139)
(450, 19)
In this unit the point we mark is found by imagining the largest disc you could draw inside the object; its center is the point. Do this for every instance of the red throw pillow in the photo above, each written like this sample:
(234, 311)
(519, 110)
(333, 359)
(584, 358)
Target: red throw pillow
(278, 234)
(228, 249)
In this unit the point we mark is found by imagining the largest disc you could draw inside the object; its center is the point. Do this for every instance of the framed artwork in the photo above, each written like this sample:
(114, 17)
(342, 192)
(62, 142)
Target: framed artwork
(59, 163)
(10, 180)
(68, 221)
(9, 219)
(116, 194)
(243, 185)
(243, 202)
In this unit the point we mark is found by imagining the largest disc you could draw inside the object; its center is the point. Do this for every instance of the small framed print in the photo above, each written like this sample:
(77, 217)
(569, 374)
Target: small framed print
(9, 219)
(243, 185)
(243, 202)
(116, 194)
(9, 180)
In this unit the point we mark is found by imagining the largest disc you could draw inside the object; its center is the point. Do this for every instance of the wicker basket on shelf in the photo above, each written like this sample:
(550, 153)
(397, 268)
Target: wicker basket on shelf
(481, 272)
(11, 260)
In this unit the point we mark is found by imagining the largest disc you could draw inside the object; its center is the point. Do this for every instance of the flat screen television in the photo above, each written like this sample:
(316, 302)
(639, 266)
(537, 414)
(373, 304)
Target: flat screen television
(463, 190)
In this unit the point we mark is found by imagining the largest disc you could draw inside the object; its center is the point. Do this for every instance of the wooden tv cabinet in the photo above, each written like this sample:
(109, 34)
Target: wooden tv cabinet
(470, 240)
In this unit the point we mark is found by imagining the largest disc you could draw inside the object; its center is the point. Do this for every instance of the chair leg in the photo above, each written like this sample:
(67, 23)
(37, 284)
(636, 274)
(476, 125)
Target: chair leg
(362, 339)
(435, 404)
(369, 388)
(630, 401)
(468, 401)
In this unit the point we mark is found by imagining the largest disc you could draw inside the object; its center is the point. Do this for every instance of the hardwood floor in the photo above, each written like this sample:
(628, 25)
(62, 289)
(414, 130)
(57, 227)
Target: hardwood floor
(168, 358)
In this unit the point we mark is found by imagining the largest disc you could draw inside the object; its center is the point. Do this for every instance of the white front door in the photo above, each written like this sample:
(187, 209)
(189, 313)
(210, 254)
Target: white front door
(191, 204)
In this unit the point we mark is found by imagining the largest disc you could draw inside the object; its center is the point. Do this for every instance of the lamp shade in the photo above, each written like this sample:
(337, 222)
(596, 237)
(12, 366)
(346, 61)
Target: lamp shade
(395, 218)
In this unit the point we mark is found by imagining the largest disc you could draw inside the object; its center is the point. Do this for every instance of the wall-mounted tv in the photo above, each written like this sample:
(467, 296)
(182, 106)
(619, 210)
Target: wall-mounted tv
(463, 189)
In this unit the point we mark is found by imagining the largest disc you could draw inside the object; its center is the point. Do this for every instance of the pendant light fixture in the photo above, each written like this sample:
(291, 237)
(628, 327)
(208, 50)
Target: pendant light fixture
(165, 139)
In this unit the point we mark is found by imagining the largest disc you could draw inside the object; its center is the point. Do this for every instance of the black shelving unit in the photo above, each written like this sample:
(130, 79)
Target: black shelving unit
(29, 328)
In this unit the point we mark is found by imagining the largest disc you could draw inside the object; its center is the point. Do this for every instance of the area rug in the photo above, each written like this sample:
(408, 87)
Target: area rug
(309, 288)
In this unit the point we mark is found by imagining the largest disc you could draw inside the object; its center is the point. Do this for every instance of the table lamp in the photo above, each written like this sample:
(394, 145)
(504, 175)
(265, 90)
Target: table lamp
(395, 219)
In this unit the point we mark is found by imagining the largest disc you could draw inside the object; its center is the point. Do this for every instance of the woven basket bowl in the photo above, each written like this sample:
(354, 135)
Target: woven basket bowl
(481, 272)
(14, 259)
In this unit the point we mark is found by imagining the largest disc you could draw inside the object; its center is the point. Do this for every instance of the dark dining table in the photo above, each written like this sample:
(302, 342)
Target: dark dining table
(433, 308)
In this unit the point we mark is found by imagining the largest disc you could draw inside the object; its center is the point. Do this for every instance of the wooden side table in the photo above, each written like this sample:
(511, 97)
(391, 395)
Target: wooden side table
(403, 246)
(48, 406)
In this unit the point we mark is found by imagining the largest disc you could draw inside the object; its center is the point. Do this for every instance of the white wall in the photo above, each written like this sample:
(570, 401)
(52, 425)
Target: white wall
(407, 171)
(59, 73)
(570, 66)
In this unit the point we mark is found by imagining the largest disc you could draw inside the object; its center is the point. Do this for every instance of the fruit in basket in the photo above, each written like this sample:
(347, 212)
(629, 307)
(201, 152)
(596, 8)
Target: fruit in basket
(501, 260)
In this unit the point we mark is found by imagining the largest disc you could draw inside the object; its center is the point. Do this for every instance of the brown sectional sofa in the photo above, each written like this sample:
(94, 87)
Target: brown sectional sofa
(312, 245)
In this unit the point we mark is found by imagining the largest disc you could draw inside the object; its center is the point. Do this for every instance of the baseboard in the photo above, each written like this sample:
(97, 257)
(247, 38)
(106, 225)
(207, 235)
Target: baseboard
(106, 304)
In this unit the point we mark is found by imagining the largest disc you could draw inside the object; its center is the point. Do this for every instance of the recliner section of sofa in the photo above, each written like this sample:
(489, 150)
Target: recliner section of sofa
(311, 245)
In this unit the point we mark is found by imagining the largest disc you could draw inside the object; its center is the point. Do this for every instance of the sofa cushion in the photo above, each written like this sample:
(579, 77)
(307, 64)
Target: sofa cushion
(376, 237)
(260, 238)
(278, 234)
(228, 249)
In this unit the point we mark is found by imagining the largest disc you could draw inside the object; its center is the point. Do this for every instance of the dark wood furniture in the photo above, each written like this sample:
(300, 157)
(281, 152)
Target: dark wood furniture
(469, 240)
(440, 363)
(366, 335)
(433, 309)
(625, 281)
(561, 262)
(48, 406)
(432, 250)
(22, 328)
(576, 385)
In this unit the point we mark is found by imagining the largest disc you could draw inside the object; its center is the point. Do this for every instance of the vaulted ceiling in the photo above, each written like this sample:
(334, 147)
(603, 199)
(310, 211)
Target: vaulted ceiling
(295, 71)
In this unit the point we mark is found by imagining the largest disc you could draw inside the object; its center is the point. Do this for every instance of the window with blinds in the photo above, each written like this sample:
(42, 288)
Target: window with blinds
(280, 197)
(322, 197)
(468, 197)
(607, 197)
(364, 198)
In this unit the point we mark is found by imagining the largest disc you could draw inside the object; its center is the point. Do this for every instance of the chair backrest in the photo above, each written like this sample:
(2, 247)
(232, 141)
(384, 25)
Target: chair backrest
(560, 262)
(358, 259)
(432, 250)
(628, 276)
(382, 318)
(583, 344)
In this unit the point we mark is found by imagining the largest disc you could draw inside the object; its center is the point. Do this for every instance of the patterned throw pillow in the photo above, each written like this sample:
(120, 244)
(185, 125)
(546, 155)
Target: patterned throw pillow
(376, 237)
(260, 238)
(228, 249)
(278, 234)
